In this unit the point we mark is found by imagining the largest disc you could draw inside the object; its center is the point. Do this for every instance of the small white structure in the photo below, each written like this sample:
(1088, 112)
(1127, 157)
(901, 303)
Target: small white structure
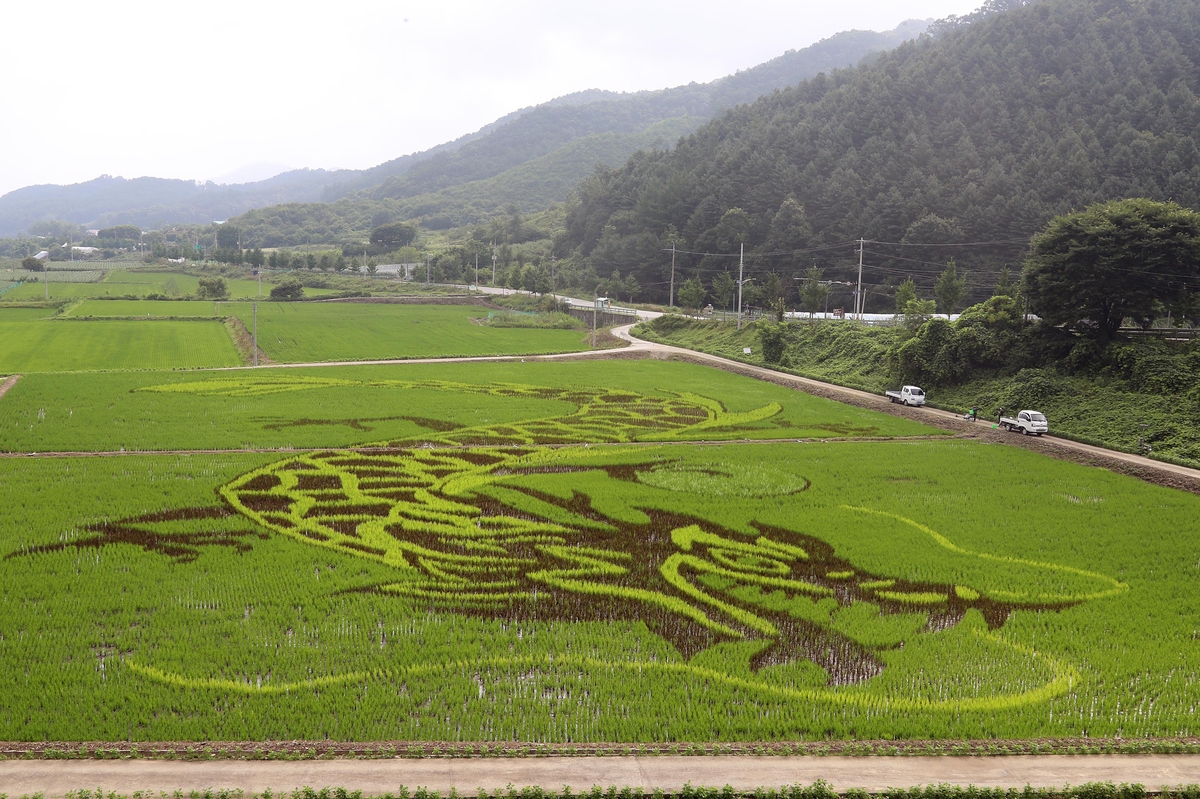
(44, 255)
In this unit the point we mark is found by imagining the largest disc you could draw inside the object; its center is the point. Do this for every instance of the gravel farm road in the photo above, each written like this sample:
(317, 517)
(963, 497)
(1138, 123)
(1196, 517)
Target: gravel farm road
(54, 778)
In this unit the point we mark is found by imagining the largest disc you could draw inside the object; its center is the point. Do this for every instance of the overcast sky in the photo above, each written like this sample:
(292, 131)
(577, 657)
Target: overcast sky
(205, 88)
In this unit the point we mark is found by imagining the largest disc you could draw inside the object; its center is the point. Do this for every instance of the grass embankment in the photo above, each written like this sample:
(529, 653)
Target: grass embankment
(1101, 409)
(341, 406)
(336, 331)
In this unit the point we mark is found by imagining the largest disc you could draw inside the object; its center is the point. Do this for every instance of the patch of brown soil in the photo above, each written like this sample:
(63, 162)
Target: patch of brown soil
(244, 342)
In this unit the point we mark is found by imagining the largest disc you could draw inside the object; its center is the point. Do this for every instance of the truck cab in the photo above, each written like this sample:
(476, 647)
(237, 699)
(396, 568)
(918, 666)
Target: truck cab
(1030, 423)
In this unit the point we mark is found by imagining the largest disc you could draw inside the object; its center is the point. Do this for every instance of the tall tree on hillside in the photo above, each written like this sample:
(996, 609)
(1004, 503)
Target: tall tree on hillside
(1005, 287)
(949, 288)
(1092, 269)
(790, 230)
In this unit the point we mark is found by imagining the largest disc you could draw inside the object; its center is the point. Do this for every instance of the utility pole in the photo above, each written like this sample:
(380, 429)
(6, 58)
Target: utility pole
(476, 271)
(741, 267)
(47, 277)
(426, 270)
(595, 308)
(256, 334)
(493, 263)
(554, 291)
(858, 297)
(671, 296)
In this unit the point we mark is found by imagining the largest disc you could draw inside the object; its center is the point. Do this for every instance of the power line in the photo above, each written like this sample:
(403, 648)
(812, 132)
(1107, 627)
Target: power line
(955, 244)
(779, 253)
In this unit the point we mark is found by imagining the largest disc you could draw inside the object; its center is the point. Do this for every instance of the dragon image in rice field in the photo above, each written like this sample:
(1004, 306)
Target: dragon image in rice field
(489, 521)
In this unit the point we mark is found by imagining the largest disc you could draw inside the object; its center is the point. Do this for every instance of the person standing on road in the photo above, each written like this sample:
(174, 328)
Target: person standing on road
(999, 414)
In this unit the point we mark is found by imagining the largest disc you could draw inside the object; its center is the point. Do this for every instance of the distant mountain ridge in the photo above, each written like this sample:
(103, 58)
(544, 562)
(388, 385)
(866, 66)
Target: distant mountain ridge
(517, 139)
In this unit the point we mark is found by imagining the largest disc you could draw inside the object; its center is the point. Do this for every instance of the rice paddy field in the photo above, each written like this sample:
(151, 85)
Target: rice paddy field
(563, 552)
(60, 346)
(305, 332)
(355, 405)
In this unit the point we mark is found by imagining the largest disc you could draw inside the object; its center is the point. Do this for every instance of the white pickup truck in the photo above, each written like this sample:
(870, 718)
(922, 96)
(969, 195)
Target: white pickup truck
(907, 395)
(1030, 423)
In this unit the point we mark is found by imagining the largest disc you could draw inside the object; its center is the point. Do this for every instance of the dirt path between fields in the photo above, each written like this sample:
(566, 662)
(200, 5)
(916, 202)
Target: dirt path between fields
(54, 778)
(8, 383)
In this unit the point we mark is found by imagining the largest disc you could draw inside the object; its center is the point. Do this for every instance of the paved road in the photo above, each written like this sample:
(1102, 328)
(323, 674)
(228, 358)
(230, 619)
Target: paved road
(56, 777)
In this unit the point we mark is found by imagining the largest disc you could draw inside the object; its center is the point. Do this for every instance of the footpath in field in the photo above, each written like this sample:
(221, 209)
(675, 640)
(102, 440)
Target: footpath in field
(55, 778)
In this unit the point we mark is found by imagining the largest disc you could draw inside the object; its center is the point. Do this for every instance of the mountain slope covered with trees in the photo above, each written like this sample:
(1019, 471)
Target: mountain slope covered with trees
(518, 138)
(979, 134)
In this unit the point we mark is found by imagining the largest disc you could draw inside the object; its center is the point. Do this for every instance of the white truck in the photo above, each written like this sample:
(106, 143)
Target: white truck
(907, 395)
(1029, 423)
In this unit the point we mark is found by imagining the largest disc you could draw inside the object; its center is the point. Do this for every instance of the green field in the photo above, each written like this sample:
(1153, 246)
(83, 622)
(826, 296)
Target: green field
(24, 314)
(341, 406)
(548, 551)
(628, 593)
(304, 332)
(57, 346)
(120, 283)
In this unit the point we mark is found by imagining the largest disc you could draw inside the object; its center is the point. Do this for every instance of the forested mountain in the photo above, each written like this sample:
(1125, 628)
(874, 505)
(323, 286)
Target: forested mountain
(981, 133)
(568, 132)
(540, 131)
(533, 184)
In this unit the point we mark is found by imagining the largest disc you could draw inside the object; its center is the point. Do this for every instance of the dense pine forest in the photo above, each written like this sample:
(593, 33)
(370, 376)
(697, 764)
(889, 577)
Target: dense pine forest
(981, 133)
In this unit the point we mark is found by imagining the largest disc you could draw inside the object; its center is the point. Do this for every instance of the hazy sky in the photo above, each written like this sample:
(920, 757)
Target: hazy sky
(203, 89)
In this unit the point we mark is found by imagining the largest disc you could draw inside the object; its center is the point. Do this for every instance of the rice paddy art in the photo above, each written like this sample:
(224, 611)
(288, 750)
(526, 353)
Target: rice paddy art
(525, 522)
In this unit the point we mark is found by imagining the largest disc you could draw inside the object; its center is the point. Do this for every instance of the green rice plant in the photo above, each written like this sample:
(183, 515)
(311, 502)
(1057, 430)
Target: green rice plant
(57, 346)
(344, 406)
(337, 331)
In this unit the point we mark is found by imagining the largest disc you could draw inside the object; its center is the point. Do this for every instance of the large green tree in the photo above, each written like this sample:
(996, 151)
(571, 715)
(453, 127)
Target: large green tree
(394, 235)
(1121, 259)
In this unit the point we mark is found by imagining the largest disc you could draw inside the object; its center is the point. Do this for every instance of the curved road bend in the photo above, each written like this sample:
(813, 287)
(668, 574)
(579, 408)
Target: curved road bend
(54, 778)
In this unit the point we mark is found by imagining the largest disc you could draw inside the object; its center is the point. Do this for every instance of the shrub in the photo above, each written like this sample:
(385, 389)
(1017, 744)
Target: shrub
(774, 339)
(288, 289)
(212, 288)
